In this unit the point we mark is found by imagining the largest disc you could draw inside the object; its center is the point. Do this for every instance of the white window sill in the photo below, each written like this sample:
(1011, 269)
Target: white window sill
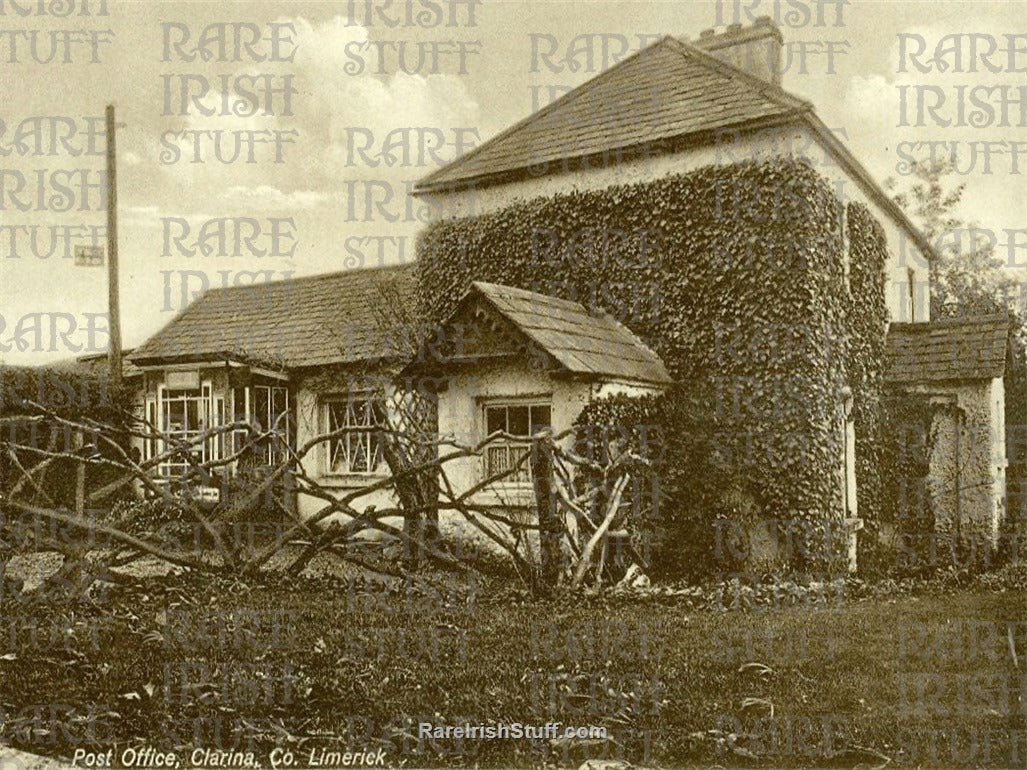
(351, 480)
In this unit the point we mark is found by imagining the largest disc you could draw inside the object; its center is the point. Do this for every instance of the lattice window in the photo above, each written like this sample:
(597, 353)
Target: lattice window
(359, 448)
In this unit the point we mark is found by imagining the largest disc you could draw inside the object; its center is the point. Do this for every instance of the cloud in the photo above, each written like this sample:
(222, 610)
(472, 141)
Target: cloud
(343, 111)
(950, 113)
(271, 198)
(332, 115)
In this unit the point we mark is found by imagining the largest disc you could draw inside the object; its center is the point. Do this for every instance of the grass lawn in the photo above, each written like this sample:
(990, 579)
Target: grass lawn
(927, 681)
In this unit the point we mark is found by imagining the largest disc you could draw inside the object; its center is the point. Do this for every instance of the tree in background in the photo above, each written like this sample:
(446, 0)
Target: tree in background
(967, 278)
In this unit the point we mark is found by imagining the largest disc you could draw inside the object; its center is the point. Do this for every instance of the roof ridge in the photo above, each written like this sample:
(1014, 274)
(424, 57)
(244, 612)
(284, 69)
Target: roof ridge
(259, 318)
(540, 113)
(572, 346)
(317, 276)
(529, 292)
(776, 96)
(770, 90)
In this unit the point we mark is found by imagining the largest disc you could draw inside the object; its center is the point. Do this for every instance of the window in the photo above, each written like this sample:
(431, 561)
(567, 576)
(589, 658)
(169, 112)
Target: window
(150, 448)
(183, 416)
(911, 273)
(521, 421)
(271, 412)
(264, 407)
(359, 449)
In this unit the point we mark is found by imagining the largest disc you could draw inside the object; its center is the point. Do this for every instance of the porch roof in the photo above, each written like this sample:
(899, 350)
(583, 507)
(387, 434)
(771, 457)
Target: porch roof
(582, 343)
(341, 317)
(950, 349)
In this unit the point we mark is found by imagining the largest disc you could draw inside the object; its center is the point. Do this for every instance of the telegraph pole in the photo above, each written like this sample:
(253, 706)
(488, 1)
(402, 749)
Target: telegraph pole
(113, 303)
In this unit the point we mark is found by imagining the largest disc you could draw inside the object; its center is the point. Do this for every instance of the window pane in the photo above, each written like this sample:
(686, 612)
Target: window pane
(151, 442)
(262, 407)
(539, 418)
(175, 416)
(496, 459)
(278, 401)
(496, 418)
(378, 414)
(357, 451)
(192, 415)
(364, 412)
(218, 447)
(359, 460)
(518, 420)
(376, 452)
(239, 405)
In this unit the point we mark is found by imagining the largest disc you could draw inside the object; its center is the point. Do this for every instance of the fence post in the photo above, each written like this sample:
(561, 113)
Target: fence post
(549, 528)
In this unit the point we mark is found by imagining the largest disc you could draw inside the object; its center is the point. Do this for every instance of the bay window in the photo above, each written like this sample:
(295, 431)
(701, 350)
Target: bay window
(183, 415)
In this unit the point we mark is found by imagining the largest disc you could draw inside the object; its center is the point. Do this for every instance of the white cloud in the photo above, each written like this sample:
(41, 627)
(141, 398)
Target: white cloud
(268, 197)
(329, 108)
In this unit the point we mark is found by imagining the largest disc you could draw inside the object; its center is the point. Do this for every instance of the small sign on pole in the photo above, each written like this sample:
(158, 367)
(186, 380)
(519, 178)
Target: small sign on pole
(89, 256)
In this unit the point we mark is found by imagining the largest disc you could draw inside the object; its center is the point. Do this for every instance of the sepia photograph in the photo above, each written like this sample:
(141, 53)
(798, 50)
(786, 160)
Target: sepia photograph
(554, 384)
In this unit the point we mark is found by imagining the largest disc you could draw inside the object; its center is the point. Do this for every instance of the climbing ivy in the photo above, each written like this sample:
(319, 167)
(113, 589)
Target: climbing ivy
(868, 322)
(735, 276)
(681, 493)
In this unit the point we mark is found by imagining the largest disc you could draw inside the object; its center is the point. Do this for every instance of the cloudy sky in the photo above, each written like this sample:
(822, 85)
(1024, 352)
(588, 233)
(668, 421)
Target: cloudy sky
(303, 124)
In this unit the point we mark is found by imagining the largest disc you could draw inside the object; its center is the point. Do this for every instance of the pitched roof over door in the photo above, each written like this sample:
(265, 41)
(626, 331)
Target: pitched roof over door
(670, 89)
(956, 349)
(588, 345)
(323, 319)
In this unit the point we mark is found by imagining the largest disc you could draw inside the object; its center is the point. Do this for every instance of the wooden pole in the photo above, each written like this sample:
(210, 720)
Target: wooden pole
(113, 303)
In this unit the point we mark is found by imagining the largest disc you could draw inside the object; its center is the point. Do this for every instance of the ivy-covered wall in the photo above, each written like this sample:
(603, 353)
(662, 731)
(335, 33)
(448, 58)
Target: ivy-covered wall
(735, 275)
(868, 324)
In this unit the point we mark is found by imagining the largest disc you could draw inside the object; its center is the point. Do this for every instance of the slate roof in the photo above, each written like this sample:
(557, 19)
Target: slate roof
(311, 321)
(670, 89)
(957, 349)
(582, 343)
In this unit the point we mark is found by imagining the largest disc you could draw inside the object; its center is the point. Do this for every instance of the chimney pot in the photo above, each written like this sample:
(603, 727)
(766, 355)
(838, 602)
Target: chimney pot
(755, 49)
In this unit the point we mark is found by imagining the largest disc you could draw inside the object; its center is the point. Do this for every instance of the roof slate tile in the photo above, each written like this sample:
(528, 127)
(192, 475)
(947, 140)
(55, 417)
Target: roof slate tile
(957, 349)
(581, 342)
(309, 321)
(667, 90)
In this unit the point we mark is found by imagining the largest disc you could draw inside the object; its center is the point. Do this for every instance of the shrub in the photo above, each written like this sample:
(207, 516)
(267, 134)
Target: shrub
(684, 493)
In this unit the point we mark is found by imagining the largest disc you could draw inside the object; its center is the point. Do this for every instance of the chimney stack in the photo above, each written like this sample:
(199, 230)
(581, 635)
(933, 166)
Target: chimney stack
(755, 49)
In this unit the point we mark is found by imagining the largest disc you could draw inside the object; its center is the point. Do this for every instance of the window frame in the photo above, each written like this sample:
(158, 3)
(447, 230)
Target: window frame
(374, 440)
(170, 469)
(522, 478)
(272, 451)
